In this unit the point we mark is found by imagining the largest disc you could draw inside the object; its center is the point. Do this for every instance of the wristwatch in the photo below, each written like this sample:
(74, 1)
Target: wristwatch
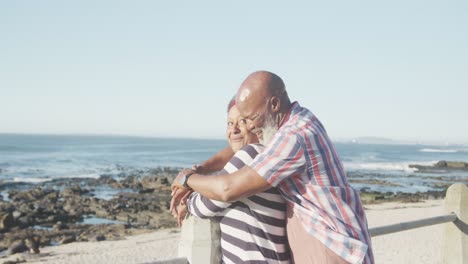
(185, 179)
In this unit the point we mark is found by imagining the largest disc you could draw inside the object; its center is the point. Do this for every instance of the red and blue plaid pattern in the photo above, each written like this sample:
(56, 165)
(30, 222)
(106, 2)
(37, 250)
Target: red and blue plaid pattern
(303, 163)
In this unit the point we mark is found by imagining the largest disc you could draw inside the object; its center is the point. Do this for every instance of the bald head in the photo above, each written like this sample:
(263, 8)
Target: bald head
(261, 83)
(262, 96)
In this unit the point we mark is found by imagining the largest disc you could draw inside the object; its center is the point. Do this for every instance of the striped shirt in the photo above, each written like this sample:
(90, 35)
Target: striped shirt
(252, 229)
(302, 162)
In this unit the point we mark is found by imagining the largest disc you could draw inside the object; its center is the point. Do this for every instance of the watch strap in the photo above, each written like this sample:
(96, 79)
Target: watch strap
(185, 180)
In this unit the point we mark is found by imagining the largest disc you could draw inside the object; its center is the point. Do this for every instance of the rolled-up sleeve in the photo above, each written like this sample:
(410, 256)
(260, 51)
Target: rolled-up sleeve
(282, 158)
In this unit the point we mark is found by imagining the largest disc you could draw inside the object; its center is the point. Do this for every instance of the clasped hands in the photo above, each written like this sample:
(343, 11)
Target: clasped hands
(180, 195)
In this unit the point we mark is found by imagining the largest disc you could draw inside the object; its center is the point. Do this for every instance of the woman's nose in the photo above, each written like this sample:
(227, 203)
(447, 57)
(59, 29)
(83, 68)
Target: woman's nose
(236, 129)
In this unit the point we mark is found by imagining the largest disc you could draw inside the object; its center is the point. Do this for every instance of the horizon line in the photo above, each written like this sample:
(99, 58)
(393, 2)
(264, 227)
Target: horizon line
(384, 140)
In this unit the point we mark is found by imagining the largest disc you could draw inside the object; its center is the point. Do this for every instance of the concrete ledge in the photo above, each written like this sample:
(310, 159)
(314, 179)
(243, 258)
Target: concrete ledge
(171, 261)
(200, 241)
(455, 243)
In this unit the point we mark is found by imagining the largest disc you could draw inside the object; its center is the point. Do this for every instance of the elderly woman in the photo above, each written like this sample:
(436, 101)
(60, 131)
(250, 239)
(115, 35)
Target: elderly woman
(253, 228)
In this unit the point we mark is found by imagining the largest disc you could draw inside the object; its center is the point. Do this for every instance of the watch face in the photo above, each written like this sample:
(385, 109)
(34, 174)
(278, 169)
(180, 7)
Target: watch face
(183, 181)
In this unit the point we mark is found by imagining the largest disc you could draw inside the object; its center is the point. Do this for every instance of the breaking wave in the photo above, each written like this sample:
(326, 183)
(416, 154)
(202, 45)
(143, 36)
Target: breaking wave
(46, 179)
(383, 166)
(438, 150)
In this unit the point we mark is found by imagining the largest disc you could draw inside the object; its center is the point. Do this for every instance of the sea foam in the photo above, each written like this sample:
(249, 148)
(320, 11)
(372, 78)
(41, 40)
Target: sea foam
(31, 180)
(383, 166)
(438, 150)
(41, 180)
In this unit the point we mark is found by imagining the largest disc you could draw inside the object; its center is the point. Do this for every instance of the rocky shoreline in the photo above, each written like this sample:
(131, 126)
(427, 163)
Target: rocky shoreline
(52, 213)
(442, 165)
(56, 212)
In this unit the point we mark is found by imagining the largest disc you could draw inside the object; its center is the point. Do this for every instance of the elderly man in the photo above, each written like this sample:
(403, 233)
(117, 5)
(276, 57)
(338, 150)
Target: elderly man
(326, 221)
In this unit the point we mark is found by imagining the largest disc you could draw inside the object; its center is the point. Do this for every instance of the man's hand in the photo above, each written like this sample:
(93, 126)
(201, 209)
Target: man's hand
(177, 183)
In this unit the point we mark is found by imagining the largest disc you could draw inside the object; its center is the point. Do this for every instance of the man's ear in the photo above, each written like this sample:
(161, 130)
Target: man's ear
(275, 104)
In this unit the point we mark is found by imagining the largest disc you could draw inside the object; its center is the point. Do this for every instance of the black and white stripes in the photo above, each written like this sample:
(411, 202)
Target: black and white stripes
(253, 230)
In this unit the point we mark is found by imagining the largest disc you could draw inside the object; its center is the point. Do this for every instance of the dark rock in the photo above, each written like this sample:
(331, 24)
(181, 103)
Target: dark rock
(26, 208)
(15, 261)
(59, 226)
(118, 206)
(25, 221)
(17, 247)
(52, 197)
(442, 165)
(365, 189)
(33, 244)
(39, 210)
(67, 239)
(374, 182)
(69, 206)
(29, 196)
(131, 182)
(99, 238)
(146, 190)
(108, 180)
(165, 181)
(42, 206)
(377, 197)
(6, 221)
(73, 191)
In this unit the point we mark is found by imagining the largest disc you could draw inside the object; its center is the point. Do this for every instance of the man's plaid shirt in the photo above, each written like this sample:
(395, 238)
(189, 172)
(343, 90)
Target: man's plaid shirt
(302, 162)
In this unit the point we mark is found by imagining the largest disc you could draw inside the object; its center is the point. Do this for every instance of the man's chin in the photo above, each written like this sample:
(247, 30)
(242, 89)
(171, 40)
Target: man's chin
(267, 137)
(263, 140)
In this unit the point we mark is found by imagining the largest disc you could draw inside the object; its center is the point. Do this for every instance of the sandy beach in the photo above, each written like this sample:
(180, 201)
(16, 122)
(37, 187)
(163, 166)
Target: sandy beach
(421, 245)
(415, 246)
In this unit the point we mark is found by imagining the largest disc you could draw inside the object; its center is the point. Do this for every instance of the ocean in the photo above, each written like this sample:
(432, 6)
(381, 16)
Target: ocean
(41, 158)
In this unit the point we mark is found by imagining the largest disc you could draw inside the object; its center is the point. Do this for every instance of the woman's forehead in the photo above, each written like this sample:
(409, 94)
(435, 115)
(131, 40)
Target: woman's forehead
(233, 112)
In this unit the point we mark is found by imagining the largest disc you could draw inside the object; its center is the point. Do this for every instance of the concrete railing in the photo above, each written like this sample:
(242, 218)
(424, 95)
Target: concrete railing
(455, 243)
(384, 230)
(200, 238)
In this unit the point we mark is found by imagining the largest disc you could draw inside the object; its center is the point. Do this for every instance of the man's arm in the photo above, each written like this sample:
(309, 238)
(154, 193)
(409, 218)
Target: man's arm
(227, 187)
(211, 165)
(216, 162)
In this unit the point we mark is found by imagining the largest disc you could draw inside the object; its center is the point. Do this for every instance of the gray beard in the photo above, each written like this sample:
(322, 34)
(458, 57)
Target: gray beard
(269, 130)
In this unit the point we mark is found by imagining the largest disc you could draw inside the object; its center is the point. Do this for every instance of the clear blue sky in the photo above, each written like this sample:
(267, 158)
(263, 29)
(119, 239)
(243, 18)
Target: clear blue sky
(394, 69)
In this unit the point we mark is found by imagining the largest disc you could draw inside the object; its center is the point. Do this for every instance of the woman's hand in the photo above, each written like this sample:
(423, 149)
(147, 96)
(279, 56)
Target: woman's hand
(179, 192)
(181, 213)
